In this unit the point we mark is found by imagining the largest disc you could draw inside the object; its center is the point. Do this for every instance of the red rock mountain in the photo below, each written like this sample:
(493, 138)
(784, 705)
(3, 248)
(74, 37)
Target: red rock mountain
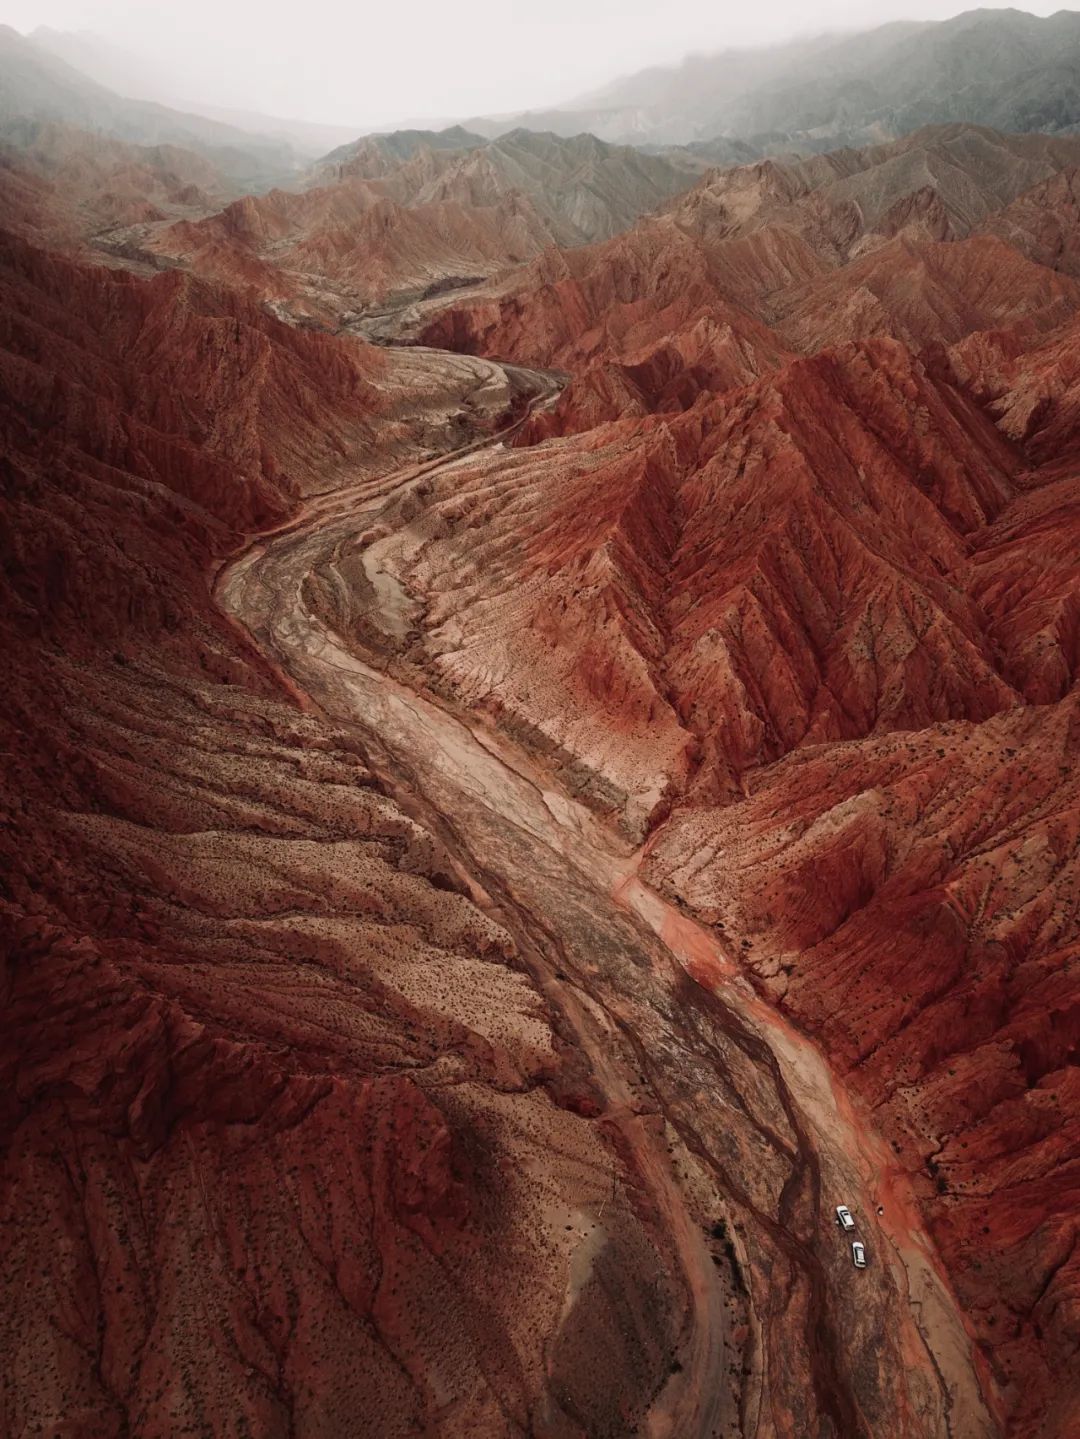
(263, 1058)
(894, 240)
(419, 876)
(404, 219)
(800, 604)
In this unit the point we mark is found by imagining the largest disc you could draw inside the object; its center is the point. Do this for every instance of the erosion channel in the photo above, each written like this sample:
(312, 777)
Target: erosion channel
(732, 1132)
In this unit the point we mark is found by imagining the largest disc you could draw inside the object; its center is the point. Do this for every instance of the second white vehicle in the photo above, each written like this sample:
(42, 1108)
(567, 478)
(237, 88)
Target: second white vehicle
(858, 1255)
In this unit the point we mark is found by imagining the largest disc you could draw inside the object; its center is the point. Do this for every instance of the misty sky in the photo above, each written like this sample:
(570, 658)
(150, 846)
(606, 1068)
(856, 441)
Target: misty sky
(365, 64)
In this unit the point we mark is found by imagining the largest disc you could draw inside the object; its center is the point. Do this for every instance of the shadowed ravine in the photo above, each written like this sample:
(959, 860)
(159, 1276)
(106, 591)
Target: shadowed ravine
(729, 1121)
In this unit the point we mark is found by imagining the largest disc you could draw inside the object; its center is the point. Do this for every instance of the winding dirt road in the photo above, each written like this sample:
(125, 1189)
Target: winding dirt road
(734, 1122)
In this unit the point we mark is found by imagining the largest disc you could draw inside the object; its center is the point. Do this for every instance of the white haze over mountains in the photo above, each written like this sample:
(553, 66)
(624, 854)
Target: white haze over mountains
(361, 64)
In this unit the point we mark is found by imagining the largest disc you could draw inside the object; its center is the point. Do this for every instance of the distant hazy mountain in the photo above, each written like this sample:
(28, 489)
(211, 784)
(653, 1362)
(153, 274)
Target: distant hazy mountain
(129, 75)
(670, 105)
(1001, 68)
(388, 148)
(36, 85)
(581, 188)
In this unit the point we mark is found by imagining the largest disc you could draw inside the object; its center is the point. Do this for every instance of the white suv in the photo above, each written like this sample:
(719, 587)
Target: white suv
(843, 1217)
